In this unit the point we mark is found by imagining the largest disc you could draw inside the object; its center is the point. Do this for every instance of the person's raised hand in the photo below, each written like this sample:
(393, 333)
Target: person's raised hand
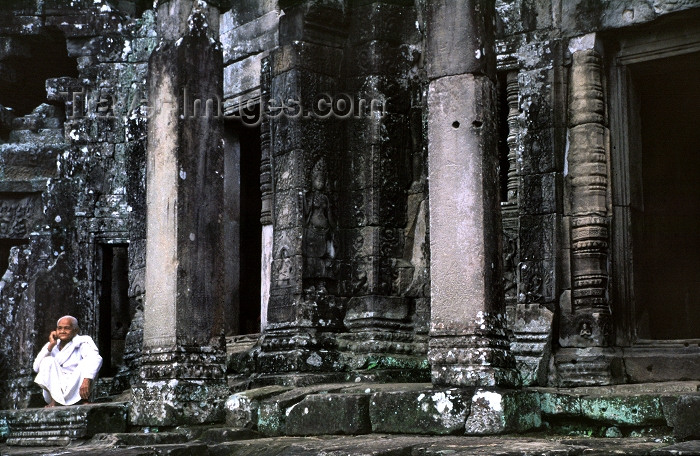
(52, 340)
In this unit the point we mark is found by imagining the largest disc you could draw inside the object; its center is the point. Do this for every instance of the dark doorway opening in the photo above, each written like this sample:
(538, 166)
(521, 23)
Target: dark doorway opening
(666, 231)
(242, 220)
(30, 61)
(115, 310)
(251, 229)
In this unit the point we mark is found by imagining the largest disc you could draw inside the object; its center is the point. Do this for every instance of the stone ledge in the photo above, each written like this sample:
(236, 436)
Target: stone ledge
(60, 425)
(419, 408)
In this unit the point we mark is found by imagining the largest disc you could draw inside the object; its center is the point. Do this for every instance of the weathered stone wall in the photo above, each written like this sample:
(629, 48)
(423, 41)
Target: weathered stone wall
(550, 259)
(72, 175)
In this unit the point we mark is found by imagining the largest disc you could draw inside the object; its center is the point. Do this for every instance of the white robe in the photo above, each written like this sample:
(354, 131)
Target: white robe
(61, 372)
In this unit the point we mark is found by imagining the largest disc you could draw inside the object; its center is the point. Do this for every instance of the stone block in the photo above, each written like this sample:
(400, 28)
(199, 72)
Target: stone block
(522, 16)
(254, 37)
(635, 410)
(501, 411)
(537, 154)
(383, 207)
(174, 402)
(138, 439)
(537, 235)
(460, 38)
(60, 425)
(242, 76)
(539, 193)
(11, 46)
(87, 23)
(537, 281)
(4, 428)
(307, 56)
(139, 49)
(690, 448)
(377, 308)
(682, 414)
(242, 408)
(245, 11)
(218, 435)
(588, 366)
(319, 414)
(554, 404)
(375, 241)
(381, 58)
(430, 411)
(655, 364)
(393, 23)
(272, 414)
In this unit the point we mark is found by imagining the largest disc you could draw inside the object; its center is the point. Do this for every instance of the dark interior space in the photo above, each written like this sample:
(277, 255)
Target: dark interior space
(667, 229)
(24, 71)
(115, 310)
(251, 229)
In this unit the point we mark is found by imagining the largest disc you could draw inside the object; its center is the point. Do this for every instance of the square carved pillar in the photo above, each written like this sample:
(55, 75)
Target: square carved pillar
(468, 344)
(182, 377)
(303, 309)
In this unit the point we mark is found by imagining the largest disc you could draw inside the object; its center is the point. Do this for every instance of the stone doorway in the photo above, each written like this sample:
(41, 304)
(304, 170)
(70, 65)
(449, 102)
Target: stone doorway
(667, 226)
(115, 309)
(242, 203)
(656, 203)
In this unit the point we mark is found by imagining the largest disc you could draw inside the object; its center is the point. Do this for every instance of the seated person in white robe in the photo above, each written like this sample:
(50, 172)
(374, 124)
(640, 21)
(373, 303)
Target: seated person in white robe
(67, 364)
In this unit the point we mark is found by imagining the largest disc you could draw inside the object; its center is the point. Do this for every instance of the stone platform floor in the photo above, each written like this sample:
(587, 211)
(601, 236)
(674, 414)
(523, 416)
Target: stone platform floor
(365, 445)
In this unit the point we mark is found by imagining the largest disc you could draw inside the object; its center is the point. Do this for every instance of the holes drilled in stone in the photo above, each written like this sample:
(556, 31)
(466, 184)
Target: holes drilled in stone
(455, 124)
(477, 123)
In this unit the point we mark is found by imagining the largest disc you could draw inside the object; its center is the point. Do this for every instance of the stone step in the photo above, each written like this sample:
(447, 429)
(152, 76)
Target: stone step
(655, 410)
(58, 426)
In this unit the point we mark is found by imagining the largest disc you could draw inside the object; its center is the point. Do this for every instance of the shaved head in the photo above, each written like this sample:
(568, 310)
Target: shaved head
(73, 321)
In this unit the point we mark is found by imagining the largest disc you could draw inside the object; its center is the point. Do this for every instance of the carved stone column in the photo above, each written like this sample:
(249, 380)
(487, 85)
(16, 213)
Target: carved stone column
(468, 344)
(509, 208)
(303, 307)
(586, 320)
(182, 375)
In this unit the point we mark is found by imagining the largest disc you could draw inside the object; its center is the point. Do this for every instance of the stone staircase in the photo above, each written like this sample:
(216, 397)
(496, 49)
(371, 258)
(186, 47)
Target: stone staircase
(58, 426)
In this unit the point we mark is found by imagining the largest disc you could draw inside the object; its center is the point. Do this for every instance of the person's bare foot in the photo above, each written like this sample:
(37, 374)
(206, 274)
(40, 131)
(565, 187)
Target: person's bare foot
(50, 404)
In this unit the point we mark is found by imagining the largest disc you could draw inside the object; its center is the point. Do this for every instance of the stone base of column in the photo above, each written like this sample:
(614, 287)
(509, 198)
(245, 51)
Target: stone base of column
(478, 356)
(592, 366)
(178, 386)
(296, 350)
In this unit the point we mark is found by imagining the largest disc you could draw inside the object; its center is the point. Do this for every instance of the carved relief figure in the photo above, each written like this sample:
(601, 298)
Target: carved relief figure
(319, 227)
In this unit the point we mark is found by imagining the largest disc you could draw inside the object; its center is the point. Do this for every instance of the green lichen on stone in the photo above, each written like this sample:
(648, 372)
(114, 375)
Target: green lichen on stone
(4, 429)
(271, 419)
(552, 403)
(624, 410)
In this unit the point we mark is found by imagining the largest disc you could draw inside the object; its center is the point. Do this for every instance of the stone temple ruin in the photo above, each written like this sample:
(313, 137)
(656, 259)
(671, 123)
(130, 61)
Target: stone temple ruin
(258, 207)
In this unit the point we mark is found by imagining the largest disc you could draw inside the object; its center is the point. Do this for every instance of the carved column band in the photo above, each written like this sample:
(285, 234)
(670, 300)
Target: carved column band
(588, 174)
